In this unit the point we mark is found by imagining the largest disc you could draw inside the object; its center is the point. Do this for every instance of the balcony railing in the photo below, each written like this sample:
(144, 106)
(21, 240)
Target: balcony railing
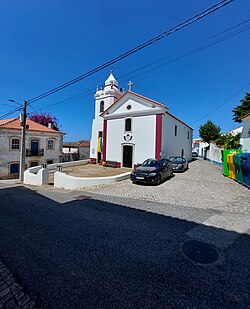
(35, 153)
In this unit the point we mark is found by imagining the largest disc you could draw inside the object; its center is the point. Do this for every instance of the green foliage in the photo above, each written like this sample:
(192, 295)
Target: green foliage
(242, 109)
(228, 141)
(209, 131)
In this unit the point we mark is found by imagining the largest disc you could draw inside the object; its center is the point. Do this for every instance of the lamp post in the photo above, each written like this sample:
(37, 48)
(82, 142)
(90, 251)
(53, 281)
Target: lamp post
(23, 118)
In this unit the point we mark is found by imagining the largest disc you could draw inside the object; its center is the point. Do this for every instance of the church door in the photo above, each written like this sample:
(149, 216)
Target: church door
(127, 156)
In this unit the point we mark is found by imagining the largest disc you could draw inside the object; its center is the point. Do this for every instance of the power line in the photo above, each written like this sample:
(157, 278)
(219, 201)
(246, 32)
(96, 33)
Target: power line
(10, 113)
(225, 102)
(136, 49)
(198, 49)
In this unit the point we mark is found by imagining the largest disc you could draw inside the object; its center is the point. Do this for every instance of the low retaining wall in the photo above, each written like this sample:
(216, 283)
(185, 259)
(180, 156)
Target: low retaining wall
(36, 176)
(39, 176)
(64, 181)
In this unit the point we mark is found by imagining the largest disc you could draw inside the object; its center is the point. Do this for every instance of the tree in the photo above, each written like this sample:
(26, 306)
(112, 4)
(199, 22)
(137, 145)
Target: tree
(242, 109)
(209, 131)
(44, 119)
(228, 141)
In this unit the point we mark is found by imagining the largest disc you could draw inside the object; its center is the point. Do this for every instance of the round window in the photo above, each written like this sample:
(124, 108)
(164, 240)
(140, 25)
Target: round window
(129, 107)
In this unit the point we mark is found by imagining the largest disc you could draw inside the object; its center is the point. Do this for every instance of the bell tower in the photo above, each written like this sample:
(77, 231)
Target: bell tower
(104, 97)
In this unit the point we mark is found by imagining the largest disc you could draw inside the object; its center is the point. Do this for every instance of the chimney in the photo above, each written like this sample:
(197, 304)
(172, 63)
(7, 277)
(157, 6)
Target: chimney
(50, 125)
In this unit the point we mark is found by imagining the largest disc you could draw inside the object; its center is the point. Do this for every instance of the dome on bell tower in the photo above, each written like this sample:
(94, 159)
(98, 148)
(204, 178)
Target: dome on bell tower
(111, 80)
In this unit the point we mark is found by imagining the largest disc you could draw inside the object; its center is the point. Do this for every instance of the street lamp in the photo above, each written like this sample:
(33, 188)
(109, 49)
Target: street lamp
(23, 118)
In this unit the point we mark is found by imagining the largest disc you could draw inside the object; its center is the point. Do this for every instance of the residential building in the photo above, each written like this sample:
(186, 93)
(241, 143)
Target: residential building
(77, 150)
(245, 135)
(129, 128)
(43, 145)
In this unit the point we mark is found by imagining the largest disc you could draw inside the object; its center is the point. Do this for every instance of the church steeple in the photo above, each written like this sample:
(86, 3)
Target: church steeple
(107, 95)
(111, 80)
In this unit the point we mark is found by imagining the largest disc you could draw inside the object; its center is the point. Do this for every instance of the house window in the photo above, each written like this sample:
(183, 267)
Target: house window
(101, 106)
(175, 130)
(15, 143)
(128, 125)
(50, 144)
(188, 134)
(14, 168)
(50, 162)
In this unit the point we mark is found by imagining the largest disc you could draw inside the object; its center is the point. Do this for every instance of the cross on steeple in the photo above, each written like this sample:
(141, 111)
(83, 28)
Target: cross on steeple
(130, 84)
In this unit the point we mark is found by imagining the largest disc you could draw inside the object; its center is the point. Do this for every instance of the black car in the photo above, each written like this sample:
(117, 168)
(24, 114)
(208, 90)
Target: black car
(179, 163)
(152, 171)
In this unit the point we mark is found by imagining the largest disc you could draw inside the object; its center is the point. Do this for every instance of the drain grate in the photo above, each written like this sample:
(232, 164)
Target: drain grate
(82, 197)
(200, 252)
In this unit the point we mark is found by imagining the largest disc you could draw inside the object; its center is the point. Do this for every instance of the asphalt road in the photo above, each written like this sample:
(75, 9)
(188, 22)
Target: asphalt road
(110, 252)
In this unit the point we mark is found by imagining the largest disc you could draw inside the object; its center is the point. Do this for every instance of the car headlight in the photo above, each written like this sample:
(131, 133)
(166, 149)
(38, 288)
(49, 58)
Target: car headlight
(132, 173)
(151, 174)
(180, 165)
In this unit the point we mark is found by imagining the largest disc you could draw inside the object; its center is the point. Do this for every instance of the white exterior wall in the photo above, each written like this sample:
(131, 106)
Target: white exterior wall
(107, 95)
(143, 138)
(172, 145)
(245, 135)
(8, 155)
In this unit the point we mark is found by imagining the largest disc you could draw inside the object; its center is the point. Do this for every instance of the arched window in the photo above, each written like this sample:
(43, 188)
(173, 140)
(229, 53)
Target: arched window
(101, 106)
(128, 125)
(15, 143)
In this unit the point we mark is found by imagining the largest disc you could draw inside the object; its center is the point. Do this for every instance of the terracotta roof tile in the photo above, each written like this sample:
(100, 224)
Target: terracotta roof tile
(14, 123)
(82, 143)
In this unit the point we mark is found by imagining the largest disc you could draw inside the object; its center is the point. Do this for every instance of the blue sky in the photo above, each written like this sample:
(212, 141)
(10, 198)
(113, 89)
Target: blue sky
(46, 43)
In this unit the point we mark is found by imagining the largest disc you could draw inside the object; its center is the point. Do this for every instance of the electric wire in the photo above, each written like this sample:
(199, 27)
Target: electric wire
(198, 49)
(225, 102)
(172, 30)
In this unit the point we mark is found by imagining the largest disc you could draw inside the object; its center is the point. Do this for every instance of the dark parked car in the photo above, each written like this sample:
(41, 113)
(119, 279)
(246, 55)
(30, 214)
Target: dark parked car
(152, 171)
(179, 164)
(194, 154)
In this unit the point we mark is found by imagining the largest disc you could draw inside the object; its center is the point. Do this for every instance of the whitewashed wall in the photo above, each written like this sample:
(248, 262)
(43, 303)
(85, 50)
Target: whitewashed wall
(172, 145)
(143, 138)
(245, 135)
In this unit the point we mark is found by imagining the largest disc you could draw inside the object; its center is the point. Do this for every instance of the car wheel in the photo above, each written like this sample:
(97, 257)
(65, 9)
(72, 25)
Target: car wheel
(158, 180)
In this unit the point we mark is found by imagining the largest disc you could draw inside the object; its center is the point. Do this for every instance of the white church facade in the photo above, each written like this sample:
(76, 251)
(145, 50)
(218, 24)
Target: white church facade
(128, 128)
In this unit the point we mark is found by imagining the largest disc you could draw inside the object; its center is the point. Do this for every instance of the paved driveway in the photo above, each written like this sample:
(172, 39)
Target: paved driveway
(202, 186)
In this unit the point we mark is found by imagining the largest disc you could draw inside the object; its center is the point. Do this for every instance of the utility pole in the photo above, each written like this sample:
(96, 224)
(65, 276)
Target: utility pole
(23, 148)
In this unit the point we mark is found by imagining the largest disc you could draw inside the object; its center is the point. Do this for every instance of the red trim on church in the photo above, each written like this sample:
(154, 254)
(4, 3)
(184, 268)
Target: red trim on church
(104, 140)
(158, 136)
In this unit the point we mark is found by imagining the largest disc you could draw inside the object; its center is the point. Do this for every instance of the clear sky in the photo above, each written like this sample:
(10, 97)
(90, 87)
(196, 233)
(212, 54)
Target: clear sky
(46, 43)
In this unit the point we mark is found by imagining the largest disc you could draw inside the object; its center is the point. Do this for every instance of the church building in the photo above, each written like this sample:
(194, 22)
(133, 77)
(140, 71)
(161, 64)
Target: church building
(129, 128)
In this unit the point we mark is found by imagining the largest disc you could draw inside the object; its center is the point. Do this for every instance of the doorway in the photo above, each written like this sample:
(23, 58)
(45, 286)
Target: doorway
(34, 147)
(127, 156)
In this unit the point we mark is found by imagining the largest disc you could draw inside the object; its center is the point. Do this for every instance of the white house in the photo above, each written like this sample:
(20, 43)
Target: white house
(43, 146)
(129, 128)
(77, 150)
(245, 135)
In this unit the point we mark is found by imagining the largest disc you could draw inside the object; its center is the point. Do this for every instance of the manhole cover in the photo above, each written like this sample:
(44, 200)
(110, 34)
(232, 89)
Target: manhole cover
(200, 252)
(82, 197)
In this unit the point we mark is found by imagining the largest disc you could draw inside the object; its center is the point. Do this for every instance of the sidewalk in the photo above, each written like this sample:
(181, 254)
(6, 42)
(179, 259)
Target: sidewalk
(12, 294)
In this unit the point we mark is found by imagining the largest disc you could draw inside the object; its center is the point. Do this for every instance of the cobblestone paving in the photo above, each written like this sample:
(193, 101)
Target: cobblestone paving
(202, 186)
(12, 294)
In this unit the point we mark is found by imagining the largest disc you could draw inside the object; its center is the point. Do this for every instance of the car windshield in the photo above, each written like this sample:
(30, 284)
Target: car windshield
(152, 163)
(176, 159)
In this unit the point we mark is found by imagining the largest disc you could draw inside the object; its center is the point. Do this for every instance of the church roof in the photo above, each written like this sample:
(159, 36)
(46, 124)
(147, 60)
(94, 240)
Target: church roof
(111, 80)
(134, 94)
(14, 123)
